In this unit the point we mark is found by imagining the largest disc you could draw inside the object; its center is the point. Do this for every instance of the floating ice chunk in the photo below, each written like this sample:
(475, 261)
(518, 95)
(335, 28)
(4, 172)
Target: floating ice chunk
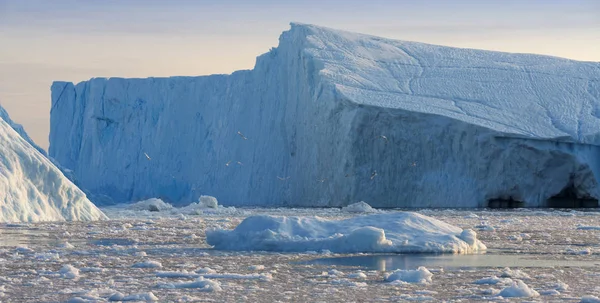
(583, 227)
(515, 274)
(206, 270)
(420, 275)
(359, 207)
(256, 267)
(262, 277)
(201, 284)
(152, 204)
(208, 202)
(405, 232)
(561, 286)
(335, 272)
(24, 250)
(176, 274)
(148, 297)
(484, 228)
(516, 238)
(92, 269)
(589, 299)
(549, 292)
(347, 282)
(116, 297)
(66, 245)
(493, 281)
(518, 289)
(358, 275)
(585, 251)
(69, 272)
(147, 264)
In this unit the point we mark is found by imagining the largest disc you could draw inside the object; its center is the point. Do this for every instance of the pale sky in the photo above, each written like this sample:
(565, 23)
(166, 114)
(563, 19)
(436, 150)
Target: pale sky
(74, 40)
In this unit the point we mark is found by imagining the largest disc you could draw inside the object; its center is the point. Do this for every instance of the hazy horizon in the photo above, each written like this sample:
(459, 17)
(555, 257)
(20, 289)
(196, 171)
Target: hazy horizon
(70, 40)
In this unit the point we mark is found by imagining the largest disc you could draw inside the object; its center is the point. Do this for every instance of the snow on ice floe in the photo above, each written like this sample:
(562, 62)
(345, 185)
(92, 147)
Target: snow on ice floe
(359, 207)
(518, 289)
(589, 299)
(201, 284)
(419, 275)
(208, 202)
(493, 281)
(155, 207)
(152, 204)
(33, 188)
(69, 272)
(393, 232)
(583, 227)
(147, 264)
(514, 273)
(141, 297)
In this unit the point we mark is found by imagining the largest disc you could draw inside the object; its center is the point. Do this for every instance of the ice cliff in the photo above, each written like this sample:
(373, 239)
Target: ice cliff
(31, 187)
(330, 118)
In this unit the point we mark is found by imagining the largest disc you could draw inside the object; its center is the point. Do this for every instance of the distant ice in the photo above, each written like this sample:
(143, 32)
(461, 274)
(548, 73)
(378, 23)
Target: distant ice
(208, 202)
(359, 207)
(152, 204)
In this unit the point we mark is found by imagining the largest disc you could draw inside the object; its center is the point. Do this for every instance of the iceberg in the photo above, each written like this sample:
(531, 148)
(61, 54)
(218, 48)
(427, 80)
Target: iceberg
(328, 118)
(32, 188)
(399, 232)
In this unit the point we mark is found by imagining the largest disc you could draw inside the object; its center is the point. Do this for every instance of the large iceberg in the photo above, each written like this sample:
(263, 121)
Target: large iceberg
(31, 187)
(399, 232)
(329, 118)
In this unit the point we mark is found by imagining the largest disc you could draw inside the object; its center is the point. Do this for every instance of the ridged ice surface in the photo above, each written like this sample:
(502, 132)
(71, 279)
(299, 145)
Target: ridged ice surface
(529, 95)
(31, 188)
(330, 118)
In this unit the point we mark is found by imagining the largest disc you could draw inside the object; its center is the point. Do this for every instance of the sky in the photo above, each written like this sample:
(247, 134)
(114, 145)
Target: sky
(74, 40)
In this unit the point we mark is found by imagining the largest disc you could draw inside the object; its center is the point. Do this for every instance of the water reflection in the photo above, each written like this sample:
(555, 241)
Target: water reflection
(450, 261)
(23, 236)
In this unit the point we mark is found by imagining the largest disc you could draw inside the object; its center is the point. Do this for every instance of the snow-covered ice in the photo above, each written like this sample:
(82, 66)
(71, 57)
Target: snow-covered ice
(152, 204)
(398, 232)
(200, 283)
(329, 118)
(359, 207)
(589, 299)
(147, 264)
(419, 275)
(69, 272)
(31, 187)
(208, 202)
(518, 289)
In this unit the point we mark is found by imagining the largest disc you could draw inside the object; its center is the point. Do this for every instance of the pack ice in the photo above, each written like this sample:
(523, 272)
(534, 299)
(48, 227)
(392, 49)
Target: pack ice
(329, 118)
(398, 232)
(31, 187)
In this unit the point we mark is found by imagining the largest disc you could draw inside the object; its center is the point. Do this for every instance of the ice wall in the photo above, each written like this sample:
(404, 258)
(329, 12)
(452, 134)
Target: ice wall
(31, 187)
(330, 118)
